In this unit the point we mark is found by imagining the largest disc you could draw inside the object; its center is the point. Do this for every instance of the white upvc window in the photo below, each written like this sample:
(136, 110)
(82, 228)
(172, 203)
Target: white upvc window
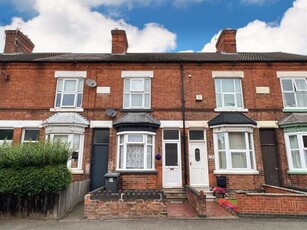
(76, 143)
(296, 144)
(135, 151)
(137, 89)
(6, 135)
(69, 93)
(228, 92)
(294, 91)
(30, 135)
(234, 151)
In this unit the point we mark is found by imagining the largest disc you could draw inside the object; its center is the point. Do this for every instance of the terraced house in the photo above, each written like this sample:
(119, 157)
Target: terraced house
(162, 120)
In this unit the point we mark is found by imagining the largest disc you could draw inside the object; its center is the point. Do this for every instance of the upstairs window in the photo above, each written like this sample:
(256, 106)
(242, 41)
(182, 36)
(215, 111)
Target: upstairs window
(137, 89)
(294, 92)
(69, 89)
(228, 93)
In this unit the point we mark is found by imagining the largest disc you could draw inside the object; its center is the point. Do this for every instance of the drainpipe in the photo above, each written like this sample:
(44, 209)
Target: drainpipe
(183, 124)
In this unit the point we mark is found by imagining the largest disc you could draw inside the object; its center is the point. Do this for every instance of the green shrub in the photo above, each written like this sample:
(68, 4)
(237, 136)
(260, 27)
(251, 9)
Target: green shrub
(34, 180)
(38, 154)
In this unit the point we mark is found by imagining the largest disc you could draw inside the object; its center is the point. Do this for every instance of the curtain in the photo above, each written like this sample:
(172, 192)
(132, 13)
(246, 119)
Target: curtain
(135, 157)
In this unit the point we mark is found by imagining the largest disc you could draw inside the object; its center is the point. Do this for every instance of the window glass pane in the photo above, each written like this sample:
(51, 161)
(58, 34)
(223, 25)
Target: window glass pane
(121, 139)
(296, 159)
(79, 100)
(135, 138)
(237, 141)
(147, 85)
(238, 85)
(136, 100)
(287, 85)
(305, 155)
(217, 85)
(135, 157)
(31, 135)
(221, 141)
(136, 85)
(126, 101)
(149, 157)
(305, 141)
(147, 100)
(127, 85)
(76, 142)
(227, 85)
(101, 136)
(62, 138)
(121, 156)
(6, 134)
(229, 100)
(293, 142)
(196, 135)
(197, 155)
(58, 100)
(70, 85)
(300, 84)
(218, 100)
(80, 85)
(60, 85)
(171, 155)
(171, 134)
(149, 139)
(74, 160)
(301, 99)
(238, 160)
(289, 100)
(68, 100)
(239, 100)
(222, 160)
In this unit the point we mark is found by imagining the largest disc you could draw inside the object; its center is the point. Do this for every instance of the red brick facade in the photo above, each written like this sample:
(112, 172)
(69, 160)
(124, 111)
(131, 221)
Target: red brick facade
(30, 95)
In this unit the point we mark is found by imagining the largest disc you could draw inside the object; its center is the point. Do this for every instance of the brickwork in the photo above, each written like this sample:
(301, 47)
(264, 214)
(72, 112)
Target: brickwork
(138, 181)
(197, 201)
(104, 209)
(282, 203)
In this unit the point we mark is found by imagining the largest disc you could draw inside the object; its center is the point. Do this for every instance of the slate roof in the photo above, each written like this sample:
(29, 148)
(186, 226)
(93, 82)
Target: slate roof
(153, 57)
(137, 118)
(231, 118)
(293, 119)
(65, 119)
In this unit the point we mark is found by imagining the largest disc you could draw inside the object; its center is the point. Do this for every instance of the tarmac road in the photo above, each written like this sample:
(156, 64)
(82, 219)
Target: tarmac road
(155, 224)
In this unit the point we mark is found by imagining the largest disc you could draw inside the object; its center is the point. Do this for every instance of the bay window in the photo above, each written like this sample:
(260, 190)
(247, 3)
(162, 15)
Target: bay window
(297, 151)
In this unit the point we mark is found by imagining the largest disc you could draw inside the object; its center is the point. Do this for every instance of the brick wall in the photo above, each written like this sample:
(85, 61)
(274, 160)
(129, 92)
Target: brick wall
(100, 209)
(279, 202)
(197, 201)
(138, 181)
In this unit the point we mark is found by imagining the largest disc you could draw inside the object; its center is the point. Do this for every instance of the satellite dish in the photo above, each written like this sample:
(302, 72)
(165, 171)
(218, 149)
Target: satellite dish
(111, 112)
(91, 83)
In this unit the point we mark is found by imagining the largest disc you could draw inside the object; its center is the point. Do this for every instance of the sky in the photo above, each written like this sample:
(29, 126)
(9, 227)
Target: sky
(84, 26)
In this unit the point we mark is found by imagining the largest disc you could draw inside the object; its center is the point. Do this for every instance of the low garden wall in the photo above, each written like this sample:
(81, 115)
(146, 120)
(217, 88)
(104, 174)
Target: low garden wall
(275, 201)
(197, 200)
(101, 204)
(43, 206)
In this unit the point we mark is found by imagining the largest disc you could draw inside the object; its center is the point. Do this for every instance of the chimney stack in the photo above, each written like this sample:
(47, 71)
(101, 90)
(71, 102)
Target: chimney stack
(119, 42)
(226, 42)
(17, 42)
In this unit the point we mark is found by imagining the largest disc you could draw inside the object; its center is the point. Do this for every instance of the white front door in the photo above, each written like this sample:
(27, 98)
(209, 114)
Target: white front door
(198, 164)
(171, 159)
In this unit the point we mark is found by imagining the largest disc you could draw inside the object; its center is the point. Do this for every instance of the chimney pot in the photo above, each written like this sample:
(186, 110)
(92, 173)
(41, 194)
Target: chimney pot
(119, 42)
(227, 41)
(17, 42)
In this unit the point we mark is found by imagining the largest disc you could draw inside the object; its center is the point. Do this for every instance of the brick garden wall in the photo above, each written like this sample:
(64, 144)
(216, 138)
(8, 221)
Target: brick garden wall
(197, 201)
(279, 202)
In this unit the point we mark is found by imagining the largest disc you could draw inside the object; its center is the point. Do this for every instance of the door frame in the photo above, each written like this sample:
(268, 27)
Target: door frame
(178, 142)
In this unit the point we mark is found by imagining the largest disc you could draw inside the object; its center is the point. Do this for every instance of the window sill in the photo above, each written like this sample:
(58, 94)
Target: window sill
(136, 110)
(76, 171)
(66, 110)
(297, 171)
(245, 172)
(230, 110)
(296, 110)
(142, 172)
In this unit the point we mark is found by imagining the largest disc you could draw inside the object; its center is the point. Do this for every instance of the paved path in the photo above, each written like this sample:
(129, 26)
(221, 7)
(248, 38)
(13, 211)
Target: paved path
(154, 224)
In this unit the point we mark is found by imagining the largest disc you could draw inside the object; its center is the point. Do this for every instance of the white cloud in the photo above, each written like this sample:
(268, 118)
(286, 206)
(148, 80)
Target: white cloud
(254, 1)
(72, 26)
(258, 36)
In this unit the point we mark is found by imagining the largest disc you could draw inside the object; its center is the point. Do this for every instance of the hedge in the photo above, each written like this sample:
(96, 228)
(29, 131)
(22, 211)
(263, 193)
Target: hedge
(34, 180)
(38, 154)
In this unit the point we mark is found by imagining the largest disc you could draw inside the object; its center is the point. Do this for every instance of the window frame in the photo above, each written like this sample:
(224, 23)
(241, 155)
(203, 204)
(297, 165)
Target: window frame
(24, 134)
(131, 76)
(126, 142)
(70, 141)
(294, 90)
(8, 141)
(301, 149)
(251, 167)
